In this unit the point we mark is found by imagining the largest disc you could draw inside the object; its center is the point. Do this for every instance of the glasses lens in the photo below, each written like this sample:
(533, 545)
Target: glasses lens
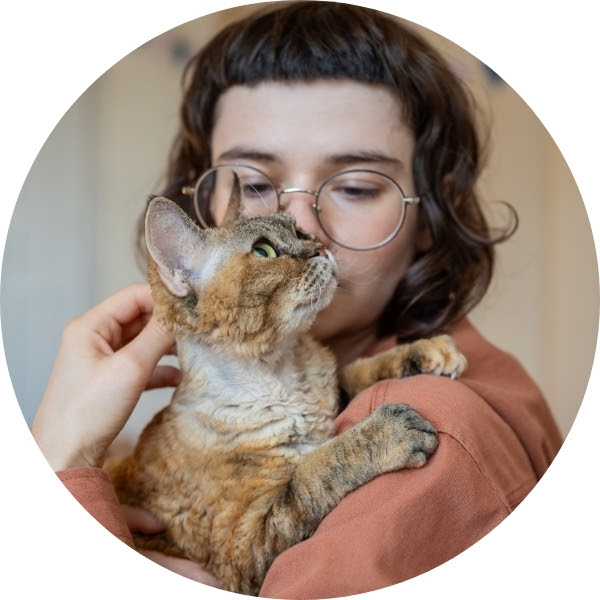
(217, 186)
(361, 209)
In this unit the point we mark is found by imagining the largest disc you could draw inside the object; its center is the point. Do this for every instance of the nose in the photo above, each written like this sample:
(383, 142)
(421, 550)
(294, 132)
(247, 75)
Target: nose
(299, 203)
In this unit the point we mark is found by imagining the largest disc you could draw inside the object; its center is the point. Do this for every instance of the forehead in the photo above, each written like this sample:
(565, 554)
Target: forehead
(296, 121)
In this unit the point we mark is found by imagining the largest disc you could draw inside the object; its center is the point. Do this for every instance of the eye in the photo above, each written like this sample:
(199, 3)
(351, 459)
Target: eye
(264, 250)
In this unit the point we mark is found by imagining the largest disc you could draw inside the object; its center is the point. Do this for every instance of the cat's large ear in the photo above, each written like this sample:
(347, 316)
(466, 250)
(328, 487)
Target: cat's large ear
(234, 208)
(175, 243)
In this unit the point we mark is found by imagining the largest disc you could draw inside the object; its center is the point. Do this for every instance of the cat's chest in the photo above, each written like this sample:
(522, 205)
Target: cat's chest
(292, 399)
(285, 380)
(302, 367)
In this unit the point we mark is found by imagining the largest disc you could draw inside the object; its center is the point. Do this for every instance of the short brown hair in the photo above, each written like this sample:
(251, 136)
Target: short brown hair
(307, 41)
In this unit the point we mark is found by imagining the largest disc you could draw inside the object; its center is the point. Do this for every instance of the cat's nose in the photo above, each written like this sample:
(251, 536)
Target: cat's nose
(312, 251)
(319, 251)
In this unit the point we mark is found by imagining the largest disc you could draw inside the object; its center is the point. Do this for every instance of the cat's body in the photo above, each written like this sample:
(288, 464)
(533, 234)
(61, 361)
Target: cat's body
(241, 465)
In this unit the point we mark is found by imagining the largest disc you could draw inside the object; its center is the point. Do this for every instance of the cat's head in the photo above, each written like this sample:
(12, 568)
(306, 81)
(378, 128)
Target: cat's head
(244, 287)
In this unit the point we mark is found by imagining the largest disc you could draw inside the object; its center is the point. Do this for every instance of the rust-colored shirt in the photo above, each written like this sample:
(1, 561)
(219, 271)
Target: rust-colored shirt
(497, 438)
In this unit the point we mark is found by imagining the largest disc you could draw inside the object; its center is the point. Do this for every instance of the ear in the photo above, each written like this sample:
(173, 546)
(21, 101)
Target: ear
(175, 243)
(234, 208)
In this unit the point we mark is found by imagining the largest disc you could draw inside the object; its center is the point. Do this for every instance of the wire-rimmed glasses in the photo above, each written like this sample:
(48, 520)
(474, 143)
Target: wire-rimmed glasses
(358, 209)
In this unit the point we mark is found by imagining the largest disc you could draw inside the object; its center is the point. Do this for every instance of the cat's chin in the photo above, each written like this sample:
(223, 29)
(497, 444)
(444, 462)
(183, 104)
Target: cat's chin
(304, 317)
(306, 311)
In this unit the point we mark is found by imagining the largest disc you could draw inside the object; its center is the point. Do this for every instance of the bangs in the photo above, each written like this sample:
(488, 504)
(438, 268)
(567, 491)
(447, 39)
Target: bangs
(303, 45)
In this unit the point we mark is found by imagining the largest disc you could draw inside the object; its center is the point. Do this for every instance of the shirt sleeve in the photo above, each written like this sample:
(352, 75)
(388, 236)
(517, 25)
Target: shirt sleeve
(93, 490)
(400, 524)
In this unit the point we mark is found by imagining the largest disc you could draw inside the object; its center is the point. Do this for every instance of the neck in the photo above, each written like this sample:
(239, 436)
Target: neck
(350, 346)
(195, 352)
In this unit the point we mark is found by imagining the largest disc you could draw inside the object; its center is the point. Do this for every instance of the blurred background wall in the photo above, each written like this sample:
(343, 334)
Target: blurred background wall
(72, 236)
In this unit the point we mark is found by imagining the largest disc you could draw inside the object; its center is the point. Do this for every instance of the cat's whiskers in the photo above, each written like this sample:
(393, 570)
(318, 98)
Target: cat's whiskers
(227, 465)
(290, 278)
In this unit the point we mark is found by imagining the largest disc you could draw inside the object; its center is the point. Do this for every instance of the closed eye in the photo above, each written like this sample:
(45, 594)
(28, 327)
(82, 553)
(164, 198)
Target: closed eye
(354, 193)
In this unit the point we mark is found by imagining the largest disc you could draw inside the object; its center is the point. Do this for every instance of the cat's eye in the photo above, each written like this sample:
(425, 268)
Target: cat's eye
(264, 250)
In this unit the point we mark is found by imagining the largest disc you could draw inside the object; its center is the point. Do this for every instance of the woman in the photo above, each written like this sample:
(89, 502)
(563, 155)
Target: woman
(311, 99)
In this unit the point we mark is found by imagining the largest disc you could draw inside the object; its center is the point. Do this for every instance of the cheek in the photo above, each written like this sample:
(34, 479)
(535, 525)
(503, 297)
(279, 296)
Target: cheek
(368, 284)
(380, 270)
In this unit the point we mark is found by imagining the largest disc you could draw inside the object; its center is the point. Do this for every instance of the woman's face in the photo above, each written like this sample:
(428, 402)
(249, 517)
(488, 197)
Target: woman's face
(301, 133)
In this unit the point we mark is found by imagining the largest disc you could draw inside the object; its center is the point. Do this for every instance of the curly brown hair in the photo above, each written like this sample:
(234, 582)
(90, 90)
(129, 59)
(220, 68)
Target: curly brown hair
(306, 41)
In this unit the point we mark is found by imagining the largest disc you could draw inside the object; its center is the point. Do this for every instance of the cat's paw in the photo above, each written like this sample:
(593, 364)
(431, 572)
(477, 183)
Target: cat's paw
(407, 438)
(436, 356)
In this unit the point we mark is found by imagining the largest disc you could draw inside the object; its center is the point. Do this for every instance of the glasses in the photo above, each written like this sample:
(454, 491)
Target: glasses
(357, 209)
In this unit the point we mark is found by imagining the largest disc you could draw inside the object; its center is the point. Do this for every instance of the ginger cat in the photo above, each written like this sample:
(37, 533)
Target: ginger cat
(241, 465)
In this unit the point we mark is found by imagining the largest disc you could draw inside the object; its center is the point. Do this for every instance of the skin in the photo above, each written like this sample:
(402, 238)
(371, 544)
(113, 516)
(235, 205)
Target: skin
(106, 359)
(299, 134)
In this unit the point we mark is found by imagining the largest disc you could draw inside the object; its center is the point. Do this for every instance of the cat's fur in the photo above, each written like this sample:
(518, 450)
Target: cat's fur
(241, 465)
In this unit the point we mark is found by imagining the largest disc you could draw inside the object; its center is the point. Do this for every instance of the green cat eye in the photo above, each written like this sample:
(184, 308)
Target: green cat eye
(264, 250)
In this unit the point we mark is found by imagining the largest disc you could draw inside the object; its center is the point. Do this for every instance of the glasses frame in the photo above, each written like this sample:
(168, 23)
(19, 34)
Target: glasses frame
(406, 200)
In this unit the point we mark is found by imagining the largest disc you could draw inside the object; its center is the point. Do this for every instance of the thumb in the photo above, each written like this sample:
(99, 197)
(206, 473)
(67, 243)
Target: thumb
(150, 345)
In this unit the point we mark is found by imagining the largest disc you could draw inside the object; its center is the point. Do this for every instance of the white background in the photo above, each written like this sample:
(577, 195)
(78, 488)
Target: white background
(546, 52)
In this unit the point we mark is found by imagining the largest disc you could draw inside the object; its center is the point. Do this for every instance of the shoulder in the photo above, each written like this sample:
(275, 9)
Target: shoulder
(496, 438)
(473, 437)
(494, 416)
(403, 523)
(494, 405)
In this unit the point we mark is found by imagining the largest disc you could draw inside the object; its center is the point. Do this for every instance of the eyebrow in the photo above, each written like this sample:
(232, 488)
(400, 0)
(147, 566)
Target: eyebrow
(362, 156)
(341, 159)
(247, 153)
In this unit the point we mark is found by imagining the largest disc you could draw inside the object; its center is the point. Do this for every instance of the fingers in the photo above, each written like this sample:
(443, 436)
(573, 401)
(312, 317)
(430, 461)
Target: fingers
(182, 566)
(123, 306)
(141, 521)
(164, 376)
(150, 345)
(106, 326)
(96, 380)
(124, 321)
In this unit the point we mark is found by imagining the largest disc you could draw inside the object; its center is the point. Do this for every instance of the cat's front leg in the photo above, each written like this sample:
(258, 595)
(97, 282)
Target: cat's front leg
(437, 356)
(394, 437)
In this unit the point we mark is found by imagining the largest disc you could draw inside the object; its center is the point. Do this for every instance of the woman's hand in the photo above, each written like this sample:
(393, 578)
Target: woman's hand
(106, 359)
(142, 521)
(181, 566)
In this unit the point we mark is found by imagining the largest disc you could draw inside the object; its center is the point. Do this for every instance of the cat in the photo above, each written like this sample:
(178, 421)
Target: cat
(242, 464)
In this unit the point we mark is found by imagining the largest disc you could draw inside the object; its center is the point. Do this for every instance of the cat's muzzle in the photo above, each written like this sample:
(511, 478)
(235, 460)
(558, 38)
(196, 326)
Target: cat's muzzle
(334, 265)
